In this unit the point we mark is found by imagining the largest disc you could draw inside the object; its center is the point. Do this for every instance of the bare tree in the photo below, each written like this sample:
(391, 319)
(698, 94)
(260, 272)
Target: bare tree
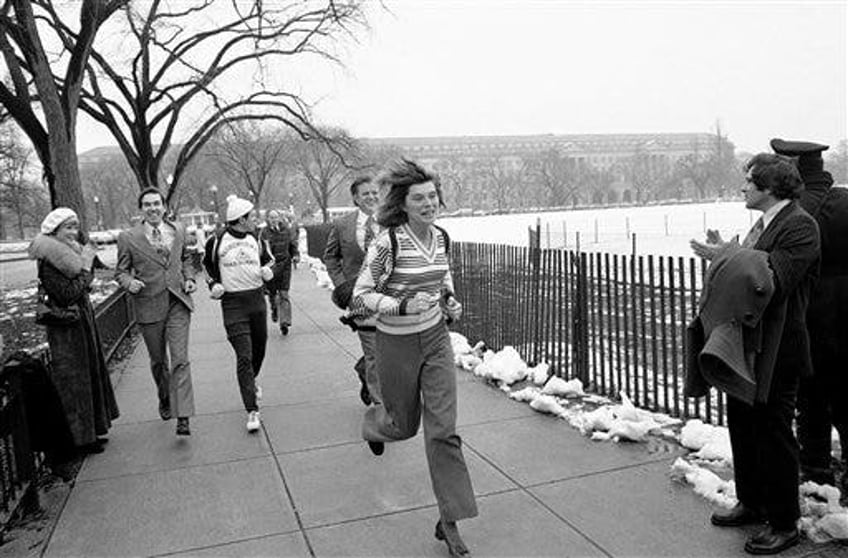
(45, 94)
(504, 175)
(18, 194)
(325, 168)
(249, 155)
(187, 63)
(112, 183)
(837, 163)
(554, 175)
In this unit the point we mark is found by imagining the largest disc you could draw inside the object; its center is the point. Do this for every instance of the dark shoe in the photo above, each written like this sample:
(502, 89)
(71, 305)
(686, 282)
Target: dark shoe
(284, 330)
(365, 394)
(737, 516)
(92, 448)
(377, 448)
(455, 545)
(164, 410)
(772, 541)
(183, 428)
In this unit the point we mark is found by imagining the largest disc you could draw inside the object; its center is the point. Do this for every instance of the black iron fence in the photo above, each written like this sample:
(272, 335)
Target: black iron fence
(18, 462)
(615, 322)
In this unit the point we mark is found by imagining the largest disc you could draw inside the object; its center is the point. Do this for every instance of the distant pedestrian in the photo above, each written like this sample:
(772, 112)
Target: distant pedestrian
(765, 451)
(77, 366)
(823, 397)
(410, 289)
(238, 265)
(282, 241)
(155, 266)
(347, 244)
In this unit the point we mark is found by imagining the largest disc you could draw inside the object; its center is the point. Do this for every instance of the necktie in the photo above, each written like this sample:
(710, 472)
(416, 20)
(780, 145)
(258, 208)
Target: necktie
(156, 234)
(369, 233)
(753, 234)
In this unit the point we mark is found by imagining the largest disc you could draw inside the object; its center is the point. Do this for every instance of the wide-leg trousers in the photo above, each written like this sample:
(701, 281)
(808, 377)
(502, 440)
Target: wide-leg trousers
(169, 338)
(417, 378)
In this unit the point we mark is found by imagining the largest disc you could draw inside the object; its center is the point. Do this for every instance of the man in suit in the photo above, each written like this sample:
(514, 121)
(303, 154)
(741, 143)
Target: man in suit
(347, 244)
(823, 397)
(765, 450)
(154, 265)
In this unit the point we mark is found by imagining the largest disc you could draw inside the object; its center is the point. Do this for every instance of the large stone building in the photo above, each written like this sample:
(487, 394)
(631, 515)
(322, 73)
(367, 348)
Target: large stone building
(613, 154)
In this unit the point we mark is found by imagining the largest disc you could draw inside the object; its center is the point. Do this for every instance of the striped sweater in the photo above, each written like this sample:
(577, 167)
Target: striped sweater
(384, 287)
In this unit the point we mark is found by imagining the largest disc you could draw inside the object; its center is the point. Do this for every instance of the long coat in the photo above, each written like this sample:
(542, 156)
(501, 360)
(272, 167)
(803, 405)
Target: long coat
(792, 242)
(77, 366)
(282, 243)
(163, 275)
(829, 301)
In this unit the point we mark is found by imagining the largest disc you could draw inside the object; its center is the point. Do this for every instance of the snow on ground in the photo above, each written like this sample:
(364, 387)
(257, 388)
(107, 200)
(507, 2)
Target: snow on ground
(660, 229)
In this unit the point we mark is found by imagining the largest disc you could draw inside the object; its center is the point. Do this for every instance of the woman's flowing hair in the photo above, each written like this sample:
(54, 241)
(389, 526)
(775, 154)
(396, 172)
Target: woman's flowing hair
(396, 179)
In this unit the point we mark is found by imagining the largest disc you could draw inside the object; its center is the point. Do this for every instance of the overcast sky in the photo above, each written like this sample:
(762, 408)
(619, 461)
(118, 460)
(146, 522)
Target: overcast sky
(490, 67)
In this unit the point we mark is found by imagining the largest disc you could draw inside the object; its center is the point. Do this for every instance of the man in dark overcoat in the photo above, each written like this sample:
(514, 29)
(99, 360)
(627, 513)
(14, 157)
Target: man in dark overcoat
(765, 450)
(281, 238)
(822, 402)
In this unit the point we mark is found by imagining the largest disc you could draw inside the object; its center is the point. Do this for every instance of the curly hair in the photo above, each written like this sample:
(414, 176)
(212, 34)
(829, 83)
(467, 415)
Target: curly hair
(777, 173)
(396, 180)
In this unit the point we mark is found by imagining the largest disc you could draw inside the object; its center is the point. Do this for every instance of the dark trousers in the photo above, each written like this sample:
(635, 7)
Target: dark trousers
(418, 377)
(765, 452)
(245, 320)
(822, 405)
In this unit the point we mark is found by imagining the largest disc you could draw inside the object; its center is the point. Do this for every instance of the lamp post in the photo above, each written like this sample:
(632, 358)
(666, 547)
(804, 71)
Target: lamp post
(214, 190)
(97, 223)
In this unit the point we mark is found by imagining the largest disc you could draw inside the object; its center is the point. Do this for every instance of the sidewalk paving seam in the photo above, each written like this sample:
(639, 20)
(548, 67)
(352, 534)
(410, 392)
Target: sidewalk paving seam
(169, 469)
(536, 499)
(189, 551)
(596, 473)
(289, 495)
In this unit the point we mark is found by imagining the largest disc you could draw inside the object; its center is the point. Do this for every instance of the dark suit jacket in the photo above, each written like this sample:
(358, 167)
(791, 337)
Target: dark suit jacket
(162, 276)
(342, 255)
(792, 243)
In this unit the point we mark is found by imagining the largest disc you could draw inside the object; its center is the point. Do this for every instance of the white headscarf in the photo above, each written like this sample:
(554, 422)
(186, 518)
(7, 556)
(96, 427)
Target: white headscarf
(55, 219)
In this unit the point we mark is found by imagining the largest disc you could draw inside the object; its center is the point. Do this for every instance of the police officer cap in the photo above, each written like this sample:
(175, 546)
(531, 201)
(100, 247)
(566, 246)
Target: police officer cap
(809, 154)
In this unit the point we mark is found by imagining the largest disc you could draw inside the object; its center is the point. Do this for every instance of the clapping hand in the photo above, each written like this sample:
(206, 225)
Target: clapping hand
(713, 246)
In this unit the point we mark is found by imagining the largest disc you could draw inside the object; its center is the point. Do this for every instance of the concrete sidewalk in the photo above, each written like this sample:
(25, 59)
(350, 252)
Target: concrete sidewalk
(307, 485)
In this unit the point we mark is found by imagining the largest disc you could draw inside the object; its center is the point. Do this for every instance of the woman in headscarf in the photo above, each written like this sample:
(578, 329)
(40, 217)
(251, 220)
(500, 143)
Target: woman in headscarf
(406, 282)
(77, 366)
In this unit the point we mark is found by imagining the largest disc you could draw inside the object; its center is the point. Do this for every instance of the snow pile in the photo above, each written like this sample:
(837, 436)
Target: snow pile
(539, 373)
(319, 270)
(466, 356)
(822, 518)
(619, 422)
(711, 443)
(705, 483)
(558, 386)
(504, 366)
